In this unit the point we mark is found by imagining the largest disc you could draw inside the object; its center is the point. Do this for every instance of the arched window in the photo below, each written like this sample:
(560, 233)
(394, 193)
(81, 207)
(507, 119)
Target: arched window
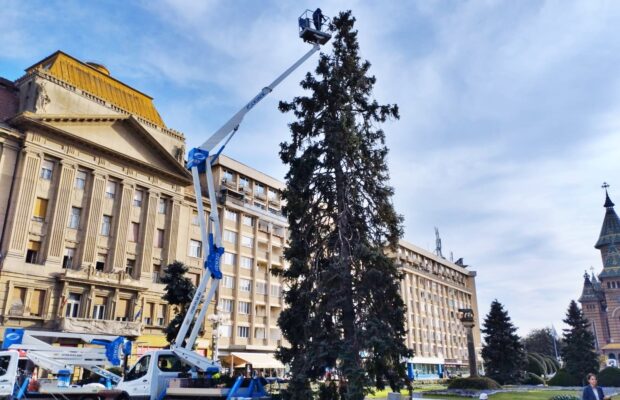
(611, 356)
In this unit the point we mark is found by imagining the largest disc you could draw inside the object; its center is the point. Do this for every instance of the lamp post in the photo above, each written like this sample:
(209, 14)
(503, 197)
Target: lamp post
(467, 319)
(217, 320)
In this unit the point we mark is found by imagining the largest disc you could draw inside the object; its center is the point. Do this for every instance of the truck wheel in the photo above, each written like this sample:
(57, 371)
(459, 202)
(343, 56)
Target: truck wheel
(123, 396)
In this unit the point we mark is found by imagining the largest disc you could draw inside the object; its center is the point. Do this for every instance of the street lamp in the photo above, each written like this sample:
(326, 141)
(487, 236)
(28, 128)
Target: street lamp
(467, 319)
(217, 320)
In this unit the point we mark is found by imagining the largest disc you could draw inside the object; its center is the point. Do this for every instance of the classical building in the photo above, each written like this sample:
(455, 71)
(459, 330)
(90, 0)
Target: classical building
(434, 289)
(600, 299)
(95, 202)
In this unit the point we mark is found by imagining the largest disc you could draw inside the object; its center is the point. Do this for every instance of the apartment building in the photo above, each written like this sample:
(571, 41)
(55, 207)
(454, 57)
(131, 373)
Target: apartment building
(434, 289)
(95, 202)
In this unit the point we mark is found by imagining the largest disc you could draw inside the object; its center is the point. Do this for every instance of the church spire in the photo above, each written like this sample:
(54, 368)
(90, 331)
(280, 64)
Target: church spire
(609, 239)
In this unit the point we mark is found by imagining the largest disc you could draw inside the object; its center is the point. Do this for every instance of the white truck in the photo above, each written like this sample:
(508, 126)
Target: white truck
(173, 374)
(97, 352)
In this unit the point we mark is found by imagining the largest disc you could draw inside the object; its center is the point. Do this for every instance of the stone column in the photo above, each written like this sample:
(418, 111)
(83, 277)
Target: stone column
(62, 204)
(24, 203)
(172, 232)
(93, 221)
(118, 255)
(467, 318)
(145, 252)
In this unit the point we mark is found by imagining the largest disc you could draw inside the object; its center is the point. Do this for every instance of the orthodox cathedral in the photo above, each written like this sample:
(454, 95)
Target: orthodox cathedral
(600, 299)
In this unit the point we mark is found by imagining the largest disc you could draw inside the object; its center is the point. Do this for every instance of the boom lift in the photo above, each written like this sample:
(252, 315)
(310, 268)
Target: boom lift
(200, 161)
(99, 352)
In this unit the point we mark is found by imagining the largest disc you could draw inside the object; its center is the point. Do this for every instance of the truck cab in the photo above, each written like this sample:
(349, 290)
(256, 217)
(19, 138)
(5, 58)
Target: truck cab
(151, 374)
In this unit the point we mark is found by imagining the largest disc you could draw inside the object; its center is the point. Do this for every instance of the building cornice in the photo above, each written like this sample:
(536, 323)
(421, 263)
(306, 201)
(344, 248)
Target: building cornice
(29, 120)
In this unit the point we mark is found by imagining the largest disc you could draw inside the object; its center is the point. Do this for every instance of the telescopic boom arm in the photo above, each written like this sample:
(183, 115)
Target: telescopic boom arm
(200, 161)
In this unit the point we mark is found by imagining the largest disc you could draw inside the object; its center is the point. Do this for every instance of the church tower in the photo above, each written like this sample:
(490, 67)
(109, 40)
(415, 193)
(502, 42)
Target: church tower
(595, 309)
(609, 244)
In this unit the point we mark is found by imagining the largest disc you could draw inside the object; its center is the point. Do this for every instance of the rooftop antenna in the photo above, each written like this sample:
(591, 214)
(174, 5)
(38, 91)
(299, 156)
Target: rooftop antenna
(438, 243)
(451, 257)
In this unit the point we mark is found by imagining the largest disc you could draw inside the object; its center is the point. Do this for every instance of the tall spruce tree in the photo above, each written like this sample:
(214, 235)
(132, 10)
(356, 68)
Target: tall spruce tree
(503, 354)
(179, 292)
(578, 352)
(344, 307)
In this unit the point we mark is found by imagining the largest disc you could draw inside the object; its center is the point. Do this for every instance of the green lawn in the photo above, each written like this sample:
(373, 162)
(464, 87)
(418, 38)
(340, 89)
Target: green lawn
(533, 395)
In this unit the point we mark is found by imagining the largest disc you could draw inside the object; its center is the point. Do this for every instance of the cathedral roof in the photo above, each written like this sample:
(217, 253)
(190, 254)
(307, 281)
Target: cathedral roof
(591, 292)
(610, 231)
(96, 80)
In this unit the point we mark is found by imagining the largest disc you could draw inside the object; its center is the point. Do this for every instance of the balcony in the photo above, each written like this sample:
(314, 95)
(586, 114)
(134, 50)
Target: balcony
(100, 326)
(90, 275)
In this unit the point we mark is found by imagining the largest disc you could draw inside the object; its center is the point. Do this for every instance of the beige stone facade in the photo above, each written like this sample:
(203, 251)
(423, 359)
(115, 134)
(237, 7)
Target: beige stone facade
(434, 289)
(95, 202)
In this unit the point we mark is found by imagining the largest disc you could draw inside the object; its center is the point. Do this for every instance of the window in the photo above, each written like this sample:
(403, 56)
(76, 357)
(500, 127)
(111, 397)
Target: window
(228, 282)
(243, 307)
(228, 176)
(226, 305)
(36, 302)
(162, 206)
(110, 189)
(73, 305)
(230, 215)
(195, 218)
(32, 252)
(18, 301)
(244, 182)
(106, 224)
(130, 267)
(140, 369)
(247, 262)
(171, 363)
(156, 275)
(259, 189)
(99, 307)
(245, 285)
(273, 195)
(248, 221)
(47, 167)
(247, 241)
(101, 259)
(161, 315)
(74, 218)
(225, 331)
(259, 333)
(195, 248)
(122, 310)
(261, 287)
(159, 239)
(67, 260)
(230, 236)
(138, 195)
(230, 258)
(80, 180)
(276, 290)
(40, 209)
(134, 230)
(243, 331)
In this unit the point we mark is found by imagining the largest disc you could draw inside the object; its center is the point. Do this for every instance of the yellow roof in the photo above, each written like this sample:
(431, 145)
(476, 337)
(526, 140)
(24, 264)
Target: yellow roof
(612, 346)
(96, 80)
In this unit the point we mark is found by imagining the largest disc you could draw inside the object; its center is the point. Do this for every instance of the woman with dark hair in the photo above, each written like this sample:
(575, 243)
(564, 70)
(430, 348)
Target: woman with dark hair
(592, 391)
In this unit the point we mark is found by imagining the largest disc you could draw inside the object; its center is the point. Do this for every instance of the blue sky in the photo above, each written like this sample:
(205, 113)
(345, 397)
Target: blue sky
(510, 111)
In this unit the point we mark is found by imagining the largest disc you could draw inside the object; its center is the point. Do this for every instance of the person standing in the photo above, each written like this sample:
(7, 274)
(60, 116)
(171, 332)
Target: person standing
(318, 18)
(592, 391)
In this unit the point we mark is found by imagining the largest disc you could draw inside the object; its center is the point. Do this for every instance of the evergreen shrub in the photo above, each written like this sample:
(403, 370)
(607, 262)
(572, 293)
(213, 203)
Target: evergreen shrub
(477, 382)
(563, 378)
(610, 376)
(564, 397)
